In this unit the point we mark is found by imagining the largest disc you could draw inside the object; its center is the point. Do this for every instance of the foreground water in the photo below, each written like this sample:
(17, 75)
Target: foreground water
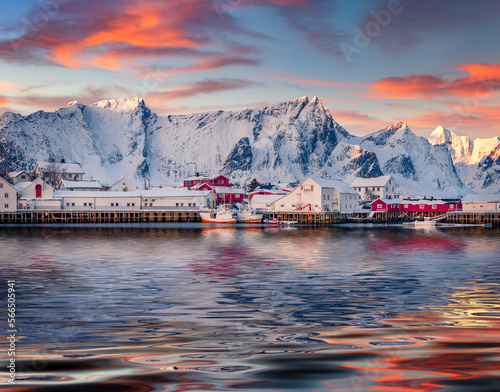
(193, 308)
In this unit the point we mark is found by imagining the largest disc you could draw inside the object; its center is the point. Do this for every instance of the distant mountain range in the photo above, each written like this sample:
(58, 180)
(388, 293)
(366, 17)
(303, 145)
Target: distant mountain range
(278, 143)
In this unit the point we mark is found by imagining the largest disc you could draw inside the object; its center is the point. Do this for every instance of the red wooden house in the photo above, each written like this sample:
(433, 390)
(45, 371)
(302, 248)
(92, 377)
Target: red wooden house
(212, 181)
(422, 205)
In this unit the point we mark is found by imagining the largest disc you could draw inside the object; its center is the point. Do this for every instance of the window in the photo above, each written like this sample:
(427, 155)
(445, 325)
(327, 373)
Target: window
(328, 197)
(85, 204)
(324, 197)
(182, 204)
(422, 206)
(188, 183)
(112, 204)
(194, 204)
(128, 204)
(282, 205)
(90, 204)
(1, 184)
(393, 189)
(189, 204)
(434, 206)
(6, 205)
(67, 204)
(133, 204)
(6, 195)
(237, 195)
(177, 204)
(72, 204)
(387, 188)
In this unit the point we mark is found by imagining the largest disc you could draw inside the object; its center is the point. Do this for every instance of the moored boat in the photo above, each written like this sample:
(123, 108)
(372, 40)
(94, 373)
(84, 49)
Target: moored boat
(221, 215)
(279, 222)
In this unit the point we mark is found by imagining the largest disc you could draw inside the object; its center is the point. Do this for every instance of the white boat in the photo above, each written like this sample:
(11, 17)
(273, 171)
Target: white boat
(221, 215)
(426, 223)
(246, 215)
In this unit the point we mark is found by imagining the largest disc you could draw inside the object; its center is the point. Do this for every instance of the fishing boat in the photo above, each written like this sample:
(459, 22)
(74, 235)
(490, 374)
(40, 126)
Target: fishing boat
(245, 214)
(221, 215)
(425, 224)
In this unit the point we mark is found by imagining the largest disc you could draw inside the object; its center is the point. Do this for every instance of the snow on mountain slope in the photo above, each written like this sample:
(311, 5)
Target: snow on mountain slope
(417, 165)
(283, 142)
(477, 162)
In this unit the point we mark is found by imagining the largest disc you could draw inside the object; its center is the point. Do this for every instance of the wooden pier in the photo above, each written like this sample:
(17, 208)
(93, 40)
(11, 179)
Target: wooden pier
(475, 218)
(309, 218)
(119, 216)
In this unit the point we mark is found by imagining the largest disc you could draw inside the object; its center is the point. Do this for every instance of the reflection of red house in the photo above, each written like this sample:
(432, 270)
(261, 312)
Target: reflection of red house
(212, 181)
(392, 205)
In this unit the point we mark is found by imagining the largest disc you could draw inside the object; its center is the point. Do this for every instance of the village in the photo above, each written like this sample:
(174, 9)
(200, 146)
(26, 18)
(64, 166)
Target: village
(56, 187)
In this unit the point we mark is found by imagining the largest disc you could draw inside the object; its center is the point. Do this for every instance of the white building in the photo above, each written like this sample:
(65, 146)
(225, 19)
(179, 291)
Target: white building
(264, 202)
(90, 185)
(171, 198)
(319, 195)
(481, 202)
(8, 196)
(37, 195)
(97, 200)
(52, 172)
(369, 189)
(123, 185)
(16, 177)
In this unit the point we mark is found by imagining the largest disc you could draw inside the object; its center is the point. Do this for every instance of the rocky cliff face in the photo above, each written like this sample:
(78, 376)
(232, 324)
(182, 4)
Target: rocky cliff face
(282, 142)
(477, 161)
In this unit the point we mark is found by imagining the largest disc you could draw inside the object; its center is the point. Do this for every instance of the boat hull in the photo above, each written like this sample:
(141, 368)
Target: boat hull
(207, 218)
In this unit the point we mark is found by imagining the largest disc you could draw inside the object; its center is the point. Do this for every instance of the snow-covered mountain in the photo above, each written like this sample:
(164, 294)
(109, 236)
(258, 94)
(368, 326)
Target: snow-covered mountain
(279, 143)
(477, 161)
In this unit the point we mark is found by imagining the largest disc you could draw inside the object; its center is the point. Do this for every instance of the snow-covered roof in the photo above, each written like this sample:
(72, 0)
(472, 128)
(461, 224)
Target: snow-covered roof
(151, 193)
(374, 181)
(171, 192)
(95, 194)
(226, 189)
(197, 178)
(265, 198)
(122, 180)
(82, 184)
(65, 167)
(338, 185)
(20, 187)
(13, 186)
(389, 201)
(14, 174)
(482, 198)
(423, 201)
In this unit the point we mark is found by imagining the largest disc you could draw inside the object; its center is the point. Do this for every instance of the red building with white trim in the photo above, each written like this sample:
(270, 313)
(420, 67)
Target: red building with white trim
(409, 205)
(212, 181)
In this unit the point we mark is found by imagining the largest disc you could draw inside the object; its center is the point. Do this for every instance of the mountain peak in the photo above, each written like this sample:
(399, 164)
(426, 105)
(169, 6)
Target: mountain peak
(122, 105)
(71, 104)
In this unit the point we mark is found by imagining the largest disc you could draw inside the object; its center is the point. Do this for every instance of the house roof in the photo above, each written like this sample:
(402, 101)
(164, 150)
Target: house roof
(20, 187)
(265, 198)
(482, 198)
(374, 181)
(13, 186)
(65, 167)
(151, 193)
(14, 174)
(81, 184)
(121, 180)
(389, 201)
(338, 185)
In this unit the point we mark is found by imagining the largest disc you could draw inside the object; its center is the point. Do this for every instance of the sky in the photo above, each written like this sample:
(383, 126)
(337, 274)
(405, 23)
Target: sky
(372, 63)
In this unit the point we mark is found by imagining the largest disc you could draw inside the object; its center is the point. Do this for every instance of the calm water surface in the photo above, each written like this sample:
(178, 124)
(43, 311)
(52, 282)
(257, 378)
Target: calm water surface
(193, 308)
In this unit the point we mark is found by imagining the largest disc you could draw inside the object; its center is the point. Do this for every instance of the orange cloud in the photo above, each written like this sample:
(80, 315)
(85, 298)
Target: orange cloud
(104, 35)
(483, 80)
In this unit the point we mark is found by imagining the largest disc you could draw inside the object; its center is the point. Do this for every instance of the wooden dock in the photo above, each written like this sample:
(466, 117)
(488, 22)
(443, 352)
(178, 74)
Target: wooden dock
(469, 217)
(119, 216)
(305, 218)
(309, 218)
